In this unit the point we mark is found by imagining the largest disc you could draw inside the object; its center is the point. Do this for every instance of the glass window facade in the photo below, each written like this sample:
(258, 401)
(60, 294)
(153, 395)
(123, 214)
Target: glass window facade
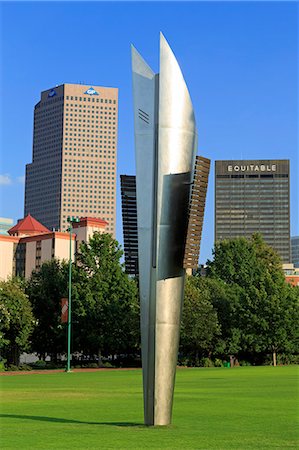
(253, 196)
(295, 250)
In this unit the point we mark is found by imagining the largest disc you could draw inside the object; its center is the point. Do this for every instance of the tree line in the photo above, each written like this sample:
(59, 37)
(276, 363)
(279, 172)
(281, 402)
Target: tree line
(242, 310)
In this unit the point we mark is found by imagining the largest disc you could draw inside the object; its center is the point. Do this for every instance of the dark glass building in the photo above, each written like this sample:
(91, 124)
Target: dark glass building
(129, 216)
(254, 196)
(295, 250)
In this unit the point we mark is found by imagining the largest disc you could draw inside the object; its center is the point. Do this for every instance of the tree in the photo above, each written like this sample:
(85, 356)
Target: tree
(17, 320)
(246, 262)
(267, 312)
(226, 301)
(105, 299)
(200, 327)
(269, 321)
(45, 290)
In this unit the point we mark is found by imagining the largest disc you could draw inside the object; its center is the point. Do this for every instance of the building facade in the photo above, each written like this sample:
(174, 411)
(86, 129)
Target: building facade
(30, 244)
(73, 169)
(295, 250)
(129, 216)
(291, 273)
(254, 196)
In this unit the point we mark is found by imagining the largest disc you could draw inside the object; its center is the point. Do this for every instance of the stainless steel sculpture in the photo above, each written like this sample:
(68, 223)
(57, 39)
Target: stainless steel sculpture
(166, 144)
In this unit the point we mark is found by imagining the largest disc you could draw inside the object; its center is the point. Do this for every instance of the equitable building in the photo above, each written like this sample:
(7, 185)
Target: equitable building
(254, 196)
(73, 169)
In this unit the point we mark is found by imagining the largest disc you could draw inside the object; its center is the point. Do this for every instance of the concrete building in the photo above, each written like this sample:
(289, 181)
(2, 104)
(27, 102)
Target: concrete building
(295, 250)
(29, 244)
(254, 196)
(73, 169)
(291, 274)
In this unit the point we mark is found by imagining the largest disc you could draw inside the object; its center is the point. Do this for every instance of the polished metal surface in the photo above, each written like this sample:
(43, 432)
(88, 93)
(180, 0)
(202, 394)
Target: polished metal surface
(144, 90)
(165, 143)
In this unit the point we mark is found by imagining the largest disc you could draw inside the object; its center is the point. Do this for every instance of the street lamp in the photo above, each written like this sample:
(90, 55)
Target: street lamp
(70, 220)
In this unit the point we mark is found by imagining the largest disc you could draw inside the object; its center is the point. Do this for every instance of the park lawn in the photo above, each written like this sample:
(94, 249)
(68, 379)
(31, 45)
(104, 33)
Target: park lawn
(214, 408)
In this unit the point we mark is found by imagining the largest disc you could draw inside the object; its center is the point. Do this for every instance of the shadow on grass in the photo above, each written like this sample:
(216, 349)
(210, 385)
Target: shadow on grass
(60, 420)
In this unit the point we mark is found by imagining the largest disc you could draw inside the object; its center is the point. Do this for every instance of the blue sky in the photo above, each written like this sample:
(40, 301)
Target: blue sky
(239, 60)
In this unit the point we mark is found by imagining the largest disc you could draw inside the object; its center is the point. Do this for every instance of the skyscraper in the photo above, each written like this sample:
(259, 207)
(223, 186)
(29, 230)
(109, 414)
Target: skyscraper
(73, 169)
(254, 196)
(129, 216)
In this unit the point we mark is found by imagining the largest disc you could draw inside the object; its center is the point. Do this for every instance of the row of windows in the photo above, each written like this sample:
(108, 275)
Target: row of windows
(92, 116)
(96, 199)
(88, 121)
(96, 110)
(252, 194)
(50, 101)
(249, 177)
(93, 129)
(252, 188)
(100, 140)
(265, 229)
(88, 99)
(253, 220)
(73, 188)
(92, 121)
(259, 207)
(81, 203)
(98, 170)
(105, 189)
(88, 162)
(81, 152)
(74, 105)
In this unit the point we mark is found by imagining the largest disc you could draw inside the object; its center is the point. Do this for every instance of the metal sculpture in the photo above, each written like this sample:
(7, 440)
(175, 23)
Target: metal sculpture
(166, 145)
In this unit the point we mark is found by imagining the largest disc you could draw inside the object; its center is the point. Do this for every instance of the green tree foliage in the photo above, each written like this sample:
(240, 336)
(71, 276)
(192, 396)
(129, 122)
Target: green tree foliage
(267, 308)
(105, 299)
(17, 320)
(105, 310)
(45, 290)
(225, 300)
(200, 328)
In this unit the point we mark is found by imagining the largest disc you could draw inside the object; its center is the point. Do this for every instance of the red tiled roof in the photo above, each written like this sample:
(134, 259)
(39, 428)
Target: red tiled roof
(28, 225)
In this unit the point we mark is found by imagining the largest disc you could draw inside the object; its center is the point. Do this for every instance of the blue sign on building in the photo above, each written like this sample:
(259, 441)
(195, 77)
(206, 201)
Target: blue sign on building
(52, 93)
(91, 91)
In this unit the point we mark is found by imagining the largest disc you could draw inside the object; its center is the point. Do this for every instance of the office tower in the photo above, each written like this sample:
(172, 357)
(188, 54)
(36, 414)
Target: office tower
(73, 169)
(253, 196)
(295, 250)
(129, 216)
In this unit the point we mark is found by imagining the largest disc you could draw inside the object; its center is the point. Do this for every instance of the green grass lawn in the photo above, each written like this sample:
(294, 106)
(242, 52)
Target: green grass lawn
(239, 408)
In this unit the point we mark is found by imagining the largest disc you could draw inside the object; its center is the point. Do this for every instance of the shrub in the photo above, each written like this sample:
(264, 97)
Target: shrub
(12, 368)
(25, 367)
(218, 362)
(108, 365)
(89, 365)
(244, 363)
(206, 362)
(39, 365)
(184, 361)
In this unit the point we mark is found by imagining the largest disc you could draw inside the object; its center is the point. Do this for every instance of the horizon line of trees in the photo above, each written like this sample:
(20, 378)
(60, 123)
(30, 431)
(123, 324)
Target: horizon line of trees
(243, 309)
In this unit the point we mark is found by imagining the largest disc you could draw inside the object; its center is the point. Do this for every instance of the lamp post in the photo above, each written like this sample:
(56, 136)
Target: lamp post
(70, 220)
